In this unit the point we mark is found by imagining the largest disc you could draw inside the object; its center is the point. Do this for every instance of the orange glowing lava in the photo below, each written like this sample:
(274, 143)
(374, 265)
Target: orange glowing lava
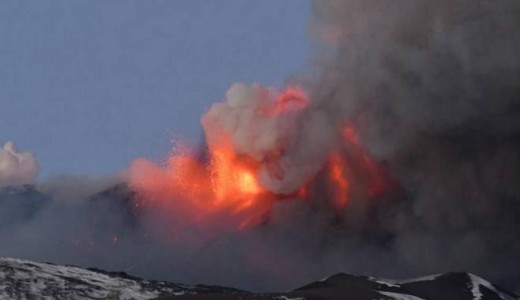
(339, 180)
(227, 184)
(292, 98)
(374, 172)
(224, 184)
(232, 177)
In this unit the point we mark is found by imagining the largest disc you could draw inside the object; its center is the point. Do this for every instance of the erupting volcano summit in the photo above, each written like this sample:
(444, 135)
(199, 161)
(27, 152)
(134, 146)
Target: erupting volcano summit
(263, 146)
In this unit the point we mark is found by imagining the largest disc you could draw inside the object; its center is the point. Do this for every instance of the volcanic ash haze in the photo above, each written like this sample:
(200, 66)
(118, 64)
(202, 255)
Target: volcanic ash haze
(397, 156)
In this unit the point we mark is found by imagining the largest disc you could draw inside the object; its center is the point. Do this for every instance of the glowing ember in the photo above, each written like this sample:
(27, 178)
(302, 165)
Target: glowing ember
(226, 183)
(247, 183)
(231, 176)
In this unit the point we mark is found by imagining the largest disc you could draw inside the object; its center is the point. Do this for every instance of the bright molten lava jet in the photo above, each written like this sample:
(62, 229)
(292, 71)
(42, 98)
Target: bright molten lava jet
(256, 155)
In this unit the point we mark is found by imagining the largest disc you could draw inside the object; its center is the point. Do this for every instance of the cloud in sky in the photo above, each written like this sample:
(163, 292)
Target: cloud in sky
(16, 167)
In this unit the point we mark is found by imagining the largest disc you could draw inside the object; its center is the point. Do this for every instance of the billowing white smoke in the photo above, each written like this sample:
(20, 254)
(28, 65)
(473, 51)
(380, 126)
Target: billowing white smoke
(16, 167)
(267, 126)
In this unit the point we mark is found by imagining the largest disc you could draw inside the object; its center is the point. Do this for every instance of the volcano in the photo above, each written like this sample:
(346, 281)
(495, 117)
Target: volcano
(397, 155)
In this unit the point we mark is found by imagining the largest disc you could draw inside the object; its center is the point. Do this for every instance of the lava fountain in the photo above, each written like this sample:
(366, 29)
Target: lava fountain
(254, 158)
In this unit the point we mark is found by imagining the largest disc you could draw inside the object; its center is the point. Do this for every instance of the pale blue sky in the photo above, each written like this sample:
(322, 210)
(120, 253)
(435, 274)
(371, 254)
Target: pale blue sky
(89, 85)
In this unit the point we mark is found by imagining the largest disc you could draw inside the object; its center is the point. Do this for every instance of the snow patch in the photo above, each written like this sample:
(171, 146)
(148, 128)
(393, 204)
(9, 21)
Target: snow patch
(288, 298)
(180, 293)
(477, 282)
(387, 282)
(323, 279)
(399, 296)
(425, 278)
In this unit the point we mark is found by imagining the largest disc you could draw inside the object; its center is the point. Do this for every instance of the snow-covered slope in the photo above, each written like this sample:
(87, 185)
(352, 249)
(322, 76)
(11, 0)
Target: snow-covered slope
(449, 286)
(21, 279)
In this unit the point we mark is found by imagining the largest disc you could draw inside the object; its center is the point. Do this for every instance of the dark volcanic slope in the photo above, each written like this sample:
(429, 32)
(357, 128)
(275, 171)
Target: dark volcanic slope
(450, 286)
(440, 287)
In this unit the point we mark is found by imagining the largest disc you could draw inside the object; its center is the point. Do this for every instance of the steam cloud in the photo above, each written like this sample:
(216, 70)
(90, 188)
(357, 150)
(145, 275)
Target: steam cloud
(16, 167)
(433, 88)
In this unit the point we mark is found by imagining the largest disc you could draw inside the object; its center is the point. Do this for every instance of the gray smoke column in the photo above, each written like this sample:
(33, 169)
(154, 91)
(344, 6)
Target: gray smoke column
(434, 89)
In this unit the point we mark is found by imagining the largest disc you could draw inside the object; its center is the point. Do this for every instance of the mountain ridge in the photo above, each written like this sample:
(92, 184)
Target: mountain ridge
(25, 279)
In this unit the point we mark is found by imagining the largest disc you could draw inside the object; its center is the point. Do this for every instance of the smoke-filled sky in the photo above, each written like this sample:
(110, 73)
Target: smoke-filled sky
(89, 85)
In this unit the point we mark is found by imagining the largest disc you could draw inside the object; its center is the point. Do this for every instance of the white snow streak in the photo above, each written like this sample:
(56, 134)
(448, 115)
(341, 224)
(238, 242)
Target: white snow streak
(477, 282)
(399, 296)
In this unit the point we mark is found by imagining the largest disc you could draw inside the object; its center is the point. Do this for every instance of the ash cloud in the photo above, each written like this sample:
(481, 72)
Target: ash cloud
(434, 90)
(434, 87)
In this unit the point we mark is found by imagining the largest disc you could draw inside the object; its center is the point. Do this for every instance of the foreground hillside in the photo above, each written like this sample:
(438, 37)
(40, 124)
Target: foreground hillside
(22, 279)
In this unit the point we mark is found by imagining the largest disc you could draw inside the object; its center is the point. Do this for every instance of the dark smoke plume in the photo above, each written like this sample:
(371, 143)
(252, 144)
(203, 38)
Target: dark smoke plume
(434, 87)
